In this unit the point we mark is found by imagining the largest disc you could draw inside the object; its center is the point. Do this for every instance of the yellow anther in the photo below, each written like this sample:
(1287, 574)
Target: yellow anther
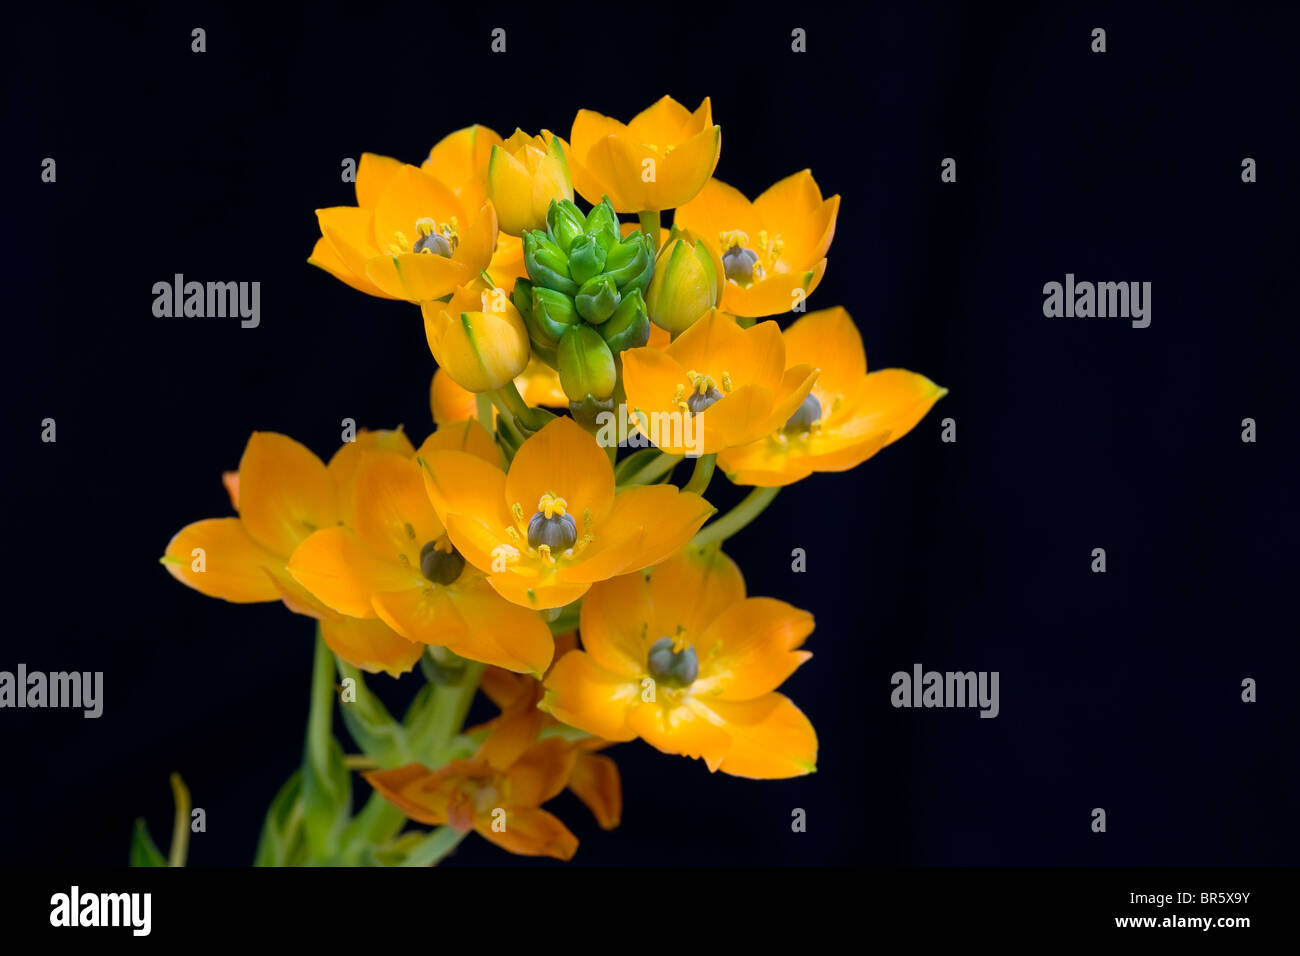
(544, 552)
(518, 511)
(680, 644)
(513, 533)
(730, 239)
(425, 227)
(587, 518)
(762, 240)
(585, 540)
(551, 505)
(678, 392)
(778, 245)
(726, 382)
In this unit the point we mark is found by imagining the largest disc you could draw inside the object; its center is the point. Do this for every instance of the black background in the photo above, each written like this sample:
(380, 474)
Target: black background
(1119, 690)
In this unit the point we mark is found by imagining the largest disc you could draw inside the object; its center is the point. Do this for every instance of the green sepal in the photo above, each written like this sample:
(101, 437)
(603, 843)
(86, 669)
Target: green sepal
(629, 326)
(546, 263)
(564, 222)
(586, 258)
(597, 299)
(282, 842)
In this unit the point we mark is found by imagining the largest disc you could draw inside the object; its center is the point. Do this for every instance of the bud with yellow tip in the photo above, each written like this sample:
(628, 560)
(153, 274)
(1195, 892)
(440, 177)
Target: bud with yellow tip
(478, 337)
(524, 175)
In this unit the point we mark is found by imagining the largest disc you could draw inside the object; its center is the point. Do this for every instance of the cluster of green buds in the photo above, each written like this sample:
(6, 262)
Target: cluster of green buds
(584, 299)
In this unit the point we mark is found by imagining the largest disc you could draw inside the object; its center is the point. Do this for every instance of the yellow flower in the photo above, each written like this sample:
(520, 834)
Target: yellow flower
(394, 562)
(686, 284)
(551, 526)
(283, 493)
(409, 236)
(771, 247)
(478, 336)
(460, 161)
(498, 793)
(715, 386)
(681, 658)
(524, 175)
(658, 161)
(847, 417)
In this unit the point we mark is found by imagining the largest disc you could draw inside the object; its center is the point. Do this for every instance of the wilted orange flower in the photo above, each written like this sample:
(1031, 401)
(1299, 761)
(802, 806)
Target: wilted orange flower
(283, 493)
(552, 525)
(847, 417)
(658, 161)
(498, 793)
(727, 386)
(409, 236)
(679, 657)
(771, 247)
(394, 561)
(594, 778)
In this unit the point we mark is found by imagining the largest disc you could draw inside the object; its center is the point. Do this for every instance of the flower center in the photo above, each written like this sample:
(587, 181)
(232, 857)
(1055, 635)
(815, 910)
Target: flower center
(439, 240)
(551, 527)
(440, 562)
(805, 417)
(704, 392)
(673, 662)
(743, 265)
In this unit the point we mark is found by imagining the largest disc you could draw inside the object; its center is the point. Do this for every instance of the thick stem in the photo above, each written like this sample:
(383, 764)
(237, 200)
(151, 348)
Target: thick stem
(749, 508)
(451, 704)
(650, 225)
(702, 474)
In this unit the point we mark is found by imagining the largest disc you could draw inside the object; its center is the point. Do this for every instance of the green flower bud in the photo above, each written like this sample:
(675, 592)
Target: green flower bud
(552, 314)
(602, 224)
(564, 222)
(586, 258)
(629, 326)
(521, 296)
(597, 299)
(630, 260)
(546, 263)
(685, 285)
(586, 365)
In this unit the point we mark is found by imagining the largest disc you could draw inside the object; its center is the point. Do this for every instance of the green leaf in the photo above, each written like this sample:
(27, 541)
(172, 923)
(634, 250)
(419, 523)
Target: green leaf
(281, 843)
(144, 852)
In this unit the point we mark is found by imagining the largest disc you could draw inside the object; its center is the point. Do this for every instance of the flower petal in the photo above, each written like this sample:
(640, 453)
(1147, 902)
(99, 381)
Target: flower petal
(370, 645)
(285, 492)
(533, 832)
(595, 781)
(771, 739)
(342, 573)
(562, 459)
(234, 566)
(751, 648)
(582, 694)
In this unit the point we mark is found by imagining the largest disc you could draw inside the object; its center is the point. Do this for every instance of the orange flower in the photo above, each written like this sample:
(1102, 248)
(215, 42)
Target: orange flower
(283, 493)
(498, 793)
(681, 658)
(395, 562)
(551, 526)
(847, 417)
(594, 779)
(771, 247)
(409, 236)
(714, 387)
(658, 161)
(460, 161)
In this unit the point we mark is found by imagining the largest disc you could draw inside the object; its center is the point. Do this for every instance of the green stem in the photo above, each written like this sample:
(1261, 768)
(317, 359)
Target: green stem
(451, 704)
(657, 468)
(515, 404)
(749, 508)
(321, 717)
(483, 405)
(650, 225)
(702, 474)
(435, 846)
